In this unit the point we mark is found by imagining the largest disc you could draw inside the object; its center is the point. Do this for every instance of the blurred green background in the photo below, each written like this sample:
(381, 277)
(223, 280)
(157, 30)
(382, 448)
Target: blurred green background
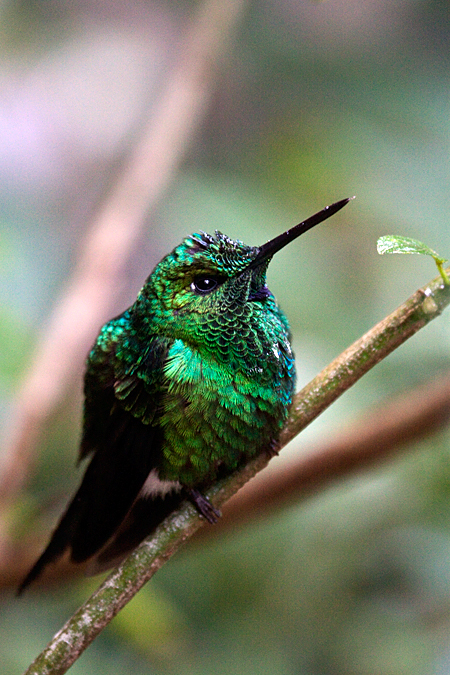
(315, 102)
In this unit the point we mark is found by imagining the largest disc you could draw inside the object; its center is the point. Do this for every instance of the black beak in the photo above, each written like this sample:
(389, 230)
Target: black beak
(269, 249)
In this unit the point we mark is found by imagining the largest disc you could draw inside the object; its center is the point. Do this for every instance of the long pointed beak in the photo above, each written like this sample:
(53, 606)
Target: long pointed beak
(274, 245)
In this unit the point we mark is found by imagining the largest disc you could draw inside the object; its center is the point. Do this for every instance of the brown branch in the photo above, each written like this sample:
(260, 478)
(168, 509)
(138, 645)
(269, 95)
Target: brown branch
(123, 583)
(85, 303)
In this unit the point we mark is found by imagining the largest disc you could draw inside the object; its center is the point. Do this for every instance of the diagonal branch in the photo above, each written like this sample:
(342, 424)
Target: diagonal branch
(379, 433)
(123, 583)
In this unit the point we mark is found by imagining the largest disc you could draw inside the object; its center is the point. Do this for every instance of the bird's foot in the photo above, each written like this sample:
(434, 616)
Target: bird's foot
(204, 506)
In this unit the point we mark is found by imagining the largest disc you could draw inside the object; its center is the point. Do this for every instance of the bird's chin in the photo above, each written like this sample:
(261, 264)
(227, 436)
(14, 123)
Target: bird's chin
(261, 294)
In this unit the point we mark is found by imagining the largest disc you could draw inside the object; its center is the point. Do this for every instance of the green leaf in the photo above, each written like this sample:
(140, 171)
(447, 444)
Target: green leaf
(395, 243)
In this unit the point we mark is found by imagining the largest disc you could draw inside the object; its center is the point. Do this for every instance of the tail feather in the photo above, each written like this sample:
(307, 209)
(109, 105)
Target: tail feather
(111, 484)
(144, 517)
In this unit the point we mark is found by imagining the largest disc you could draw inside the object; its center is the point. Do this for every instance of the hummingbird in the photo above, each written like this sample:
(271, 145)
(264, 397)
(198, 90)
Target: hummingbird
(181, 389)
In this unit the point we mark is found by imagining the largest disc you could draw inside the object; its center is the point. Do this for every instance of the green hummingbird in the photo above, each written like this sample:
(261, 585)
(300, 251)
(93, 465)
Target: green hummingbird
(185, 386)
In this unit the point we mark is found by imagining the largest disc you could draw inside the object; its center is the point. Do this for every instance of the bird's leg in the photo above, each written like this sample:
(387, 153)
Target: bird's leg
(204, 506)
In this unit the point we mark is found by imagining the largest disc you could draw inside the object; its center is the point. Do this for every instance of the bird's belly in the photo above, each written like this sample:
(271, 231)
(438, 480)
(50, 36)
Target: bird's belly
(213, 418)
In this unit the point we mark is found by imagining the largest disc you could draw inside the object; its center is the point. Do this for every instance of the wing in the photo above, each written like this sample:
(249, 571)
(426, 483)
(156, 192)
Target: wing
(122, 388)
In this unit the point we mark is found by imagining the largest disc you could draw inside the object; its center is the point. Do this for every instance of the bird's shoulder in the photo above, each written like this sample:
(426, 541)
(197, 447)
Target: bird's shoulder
(124, 373)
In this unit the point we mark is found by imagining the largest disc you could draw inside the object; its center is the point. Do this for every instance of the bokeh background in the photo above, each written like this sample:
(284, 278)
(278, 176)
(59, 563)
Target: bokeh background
(313, 102)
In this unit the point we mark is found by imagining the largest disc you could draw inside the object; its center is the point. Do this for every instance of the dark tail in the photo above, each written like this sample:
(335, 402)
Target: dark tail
(144, 517)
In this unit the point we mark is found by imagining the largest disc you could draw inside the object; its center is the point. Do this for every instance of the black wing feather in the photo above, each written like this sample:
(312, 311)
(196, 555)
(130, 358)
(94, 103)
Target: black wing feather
(122, 388)
(112, 481)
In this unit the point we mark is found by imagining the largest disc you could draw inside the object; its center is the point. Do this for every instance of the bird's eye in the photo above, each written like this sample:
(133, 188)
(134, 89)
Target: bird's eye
(204, 285)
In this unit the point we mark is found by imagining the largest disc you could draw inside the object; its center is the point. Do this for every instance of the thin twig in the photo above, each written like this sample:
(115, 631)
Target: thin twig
(123, 583)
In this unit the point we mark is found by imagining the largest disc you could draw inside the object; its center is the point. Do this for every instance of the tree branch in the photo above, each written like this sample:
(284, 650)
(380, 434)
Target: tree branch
(379, 433)
(123, 583)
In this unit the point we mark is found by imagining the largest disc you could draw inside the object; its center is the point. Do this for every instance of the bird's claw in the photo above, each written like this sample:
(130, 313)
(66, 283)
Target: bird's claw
(204, 506)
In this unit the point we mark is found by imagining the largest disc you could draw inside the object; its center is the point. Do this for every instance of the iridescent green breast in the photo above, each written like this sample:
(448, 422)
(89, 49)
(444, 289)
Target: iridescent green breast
(213, 416)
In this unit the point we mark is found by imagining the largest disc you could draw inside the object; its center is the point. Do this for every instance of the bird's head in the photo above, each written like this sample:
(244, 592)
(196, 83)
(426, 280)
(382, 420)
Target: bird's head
(212, 289)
